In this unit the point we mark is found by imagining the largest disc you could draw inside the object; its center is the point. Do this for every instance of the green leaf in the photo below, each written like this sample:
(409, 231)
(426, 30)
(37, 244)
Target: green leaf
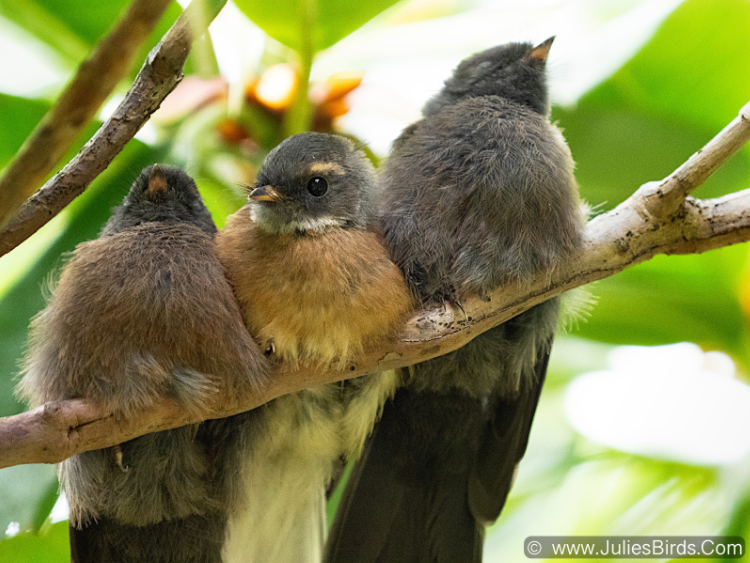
(25, 490)
(665, 104)
(333, 502)
(73, 27)
(50, 547)
(46, 504)
(329, 20)
(639, 126)
(739, 523)
(46, 26)
(671, 299)
(618, 149)
(694, 70)
(220, 200)
(19, 116)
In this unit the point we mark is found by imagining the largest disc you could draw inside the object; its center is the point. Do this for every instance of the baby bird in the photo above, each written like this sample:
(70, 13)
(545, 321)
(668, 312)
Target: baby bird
(141, 313)
(315, 286)
(477, 194)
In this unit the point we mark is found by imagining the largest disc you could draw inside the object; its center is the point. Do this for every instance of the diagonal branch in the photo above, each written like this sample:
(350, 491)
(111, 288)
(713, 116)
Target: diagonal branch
(161, 72)
(633, 232)
(83, 96)
(665, 197)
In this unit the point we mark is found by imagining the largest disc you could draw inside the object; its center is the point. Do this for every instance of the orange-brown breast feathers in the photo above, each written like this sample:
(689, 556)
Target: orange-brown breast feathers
(316, 296)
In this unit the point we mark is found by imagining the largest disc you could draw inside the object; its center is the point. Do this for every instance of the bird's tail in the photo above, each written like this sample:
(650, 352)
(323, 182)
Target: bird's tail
(195, 539)
(281, 515)
(402, 502)
(144, 481)
(283, 518)
(441, 462)
(167, 503)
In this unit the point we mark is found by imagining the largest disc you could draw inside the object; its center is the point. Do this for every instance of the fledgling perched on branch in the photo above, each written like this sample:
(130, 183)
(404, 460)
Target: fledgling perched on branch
(315, 285)
(141, 313)
(477, 194)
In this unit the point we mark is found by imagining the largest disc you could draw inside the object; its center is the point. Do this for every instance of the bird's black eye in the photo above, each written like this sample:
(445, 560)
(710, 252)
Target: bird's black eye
(317, 186)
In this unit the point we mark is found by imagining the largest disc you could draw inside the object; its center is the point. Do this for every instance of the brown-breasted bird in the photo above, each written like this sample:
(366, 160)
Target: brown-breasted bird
(477, 194)
(315, 286)
(141, 313)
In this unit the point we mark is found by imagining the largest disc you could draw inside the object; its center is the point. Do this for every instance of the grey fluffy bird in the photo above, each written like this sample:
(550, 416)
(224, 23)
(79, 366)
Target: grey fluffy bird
(141, 313)
(477, 194)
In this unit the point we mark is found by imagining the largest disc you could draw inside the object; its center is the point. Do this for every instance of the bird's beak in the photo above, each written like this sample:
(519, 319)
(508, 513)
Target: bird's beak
(541, 51)
(157, 181)
(265, 193)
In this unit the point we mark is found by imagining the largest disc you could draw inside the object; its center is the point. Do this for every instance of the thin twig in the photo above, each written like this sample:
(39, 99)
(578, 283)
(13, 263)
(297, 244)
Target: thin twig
(160, 74)
(92, 84)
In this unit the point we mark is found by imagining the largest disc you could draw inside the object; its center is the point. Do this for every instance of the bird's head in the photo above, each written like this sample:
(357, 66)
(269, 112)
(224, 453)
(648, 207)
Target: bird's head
(312, 182)
(515, 71)
(162, 194)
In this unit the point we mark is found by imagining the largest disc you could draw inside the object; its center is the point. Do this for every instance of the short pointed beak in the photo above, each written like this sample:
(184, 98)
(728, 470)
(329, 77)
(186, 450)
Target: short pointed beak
(541, 51)
(265, 193)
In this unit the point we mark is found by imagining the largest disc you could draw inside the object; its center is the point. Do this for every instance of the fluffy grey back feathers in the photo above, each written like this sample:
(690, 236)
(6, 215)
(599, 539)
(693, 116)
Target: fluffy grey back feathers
(490, 200)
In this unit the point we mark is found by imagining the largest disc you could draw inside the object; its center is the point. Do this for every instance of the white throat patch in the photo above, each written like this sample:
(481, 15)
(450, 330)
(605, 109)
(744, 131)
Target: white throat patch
(317, 224)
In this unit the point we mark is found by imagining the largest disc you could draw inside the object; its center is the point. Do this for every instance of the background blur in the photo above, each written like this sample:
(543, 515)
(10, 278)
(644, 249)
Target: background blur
(642, 439)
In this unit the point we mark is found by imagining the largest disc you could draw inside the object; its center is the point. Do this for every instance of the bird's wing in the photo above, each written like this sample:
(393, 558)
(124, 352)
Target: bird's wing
(504, 444)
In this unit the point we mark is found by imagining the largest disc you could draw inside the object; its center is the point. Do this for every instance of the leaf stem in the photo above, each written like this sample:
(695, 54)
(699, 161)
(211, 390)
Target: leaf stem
(299, 116)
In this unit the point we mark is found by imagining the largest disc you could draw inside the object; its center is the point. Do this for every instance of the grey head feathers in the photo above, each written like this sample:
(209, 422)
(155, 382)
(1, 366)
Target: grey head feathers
(163, 194)
(481, 191)
(311, 182)
(514, 71)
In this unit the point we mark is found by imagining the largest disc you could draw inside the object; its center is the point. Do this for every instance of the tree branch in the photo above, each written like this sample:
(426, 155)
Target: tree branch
(665, 197)
(161, 72)
(635, 231)
(75, 108)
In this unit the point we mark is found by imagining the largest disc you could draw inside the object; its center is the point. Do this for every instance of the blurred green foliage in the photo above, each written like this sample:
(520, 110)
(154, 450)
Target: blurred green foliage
(324, 22)
(18, 116)
(638, 125)
(73, 27)
(49, 545)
